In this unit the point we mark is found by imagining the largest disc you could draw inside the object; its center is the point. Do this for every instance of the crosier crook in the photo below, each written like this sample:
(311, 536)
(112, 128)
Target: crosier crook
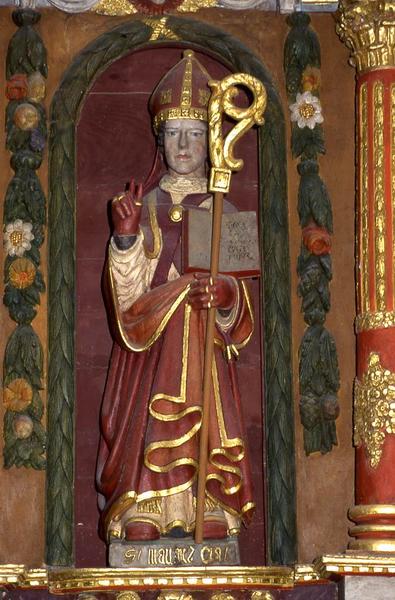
(223, 163)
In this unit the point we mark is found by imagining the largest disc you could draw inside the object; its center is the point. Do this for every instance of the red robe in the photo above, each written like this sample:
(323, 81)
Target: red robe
(151, 411)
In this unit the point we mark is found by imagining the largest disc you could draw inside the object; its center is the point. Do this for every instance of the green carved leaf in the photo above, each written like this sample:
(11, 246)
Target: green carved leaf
(25, 198)
(306, 142)
(314, 290)
(36, 409)
(17, 139)
(19, 310)
(301, 49)
(313, 199)
(26, 51)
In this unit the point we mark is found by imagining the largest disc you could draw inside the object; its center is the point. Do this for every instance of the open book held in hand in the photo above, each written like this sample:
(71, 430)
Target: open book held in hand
(239, 253)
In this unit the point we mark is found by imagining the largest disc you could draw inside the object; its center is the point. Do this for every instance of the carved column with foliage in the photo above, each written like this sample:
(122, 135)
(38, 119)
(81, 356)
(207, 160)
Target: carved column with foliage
(318, 366)
(368, 29)
(24, 221)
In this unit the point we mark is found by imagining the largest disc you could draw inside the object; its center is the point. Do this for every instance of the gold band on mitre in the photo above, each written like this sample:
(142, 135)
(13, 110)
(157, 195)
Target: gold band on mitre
(182, 93)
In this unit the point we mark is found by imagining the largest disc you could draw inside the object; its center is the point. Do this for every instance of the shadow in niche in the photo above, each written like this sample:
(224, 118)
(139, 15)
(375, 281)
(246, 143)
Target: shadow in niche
(115, 143)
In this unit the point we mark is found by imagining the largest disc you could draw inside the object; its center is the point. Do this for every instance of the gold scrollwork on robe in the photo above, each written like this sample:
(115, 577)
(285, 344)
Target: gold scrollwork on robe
(374, 408)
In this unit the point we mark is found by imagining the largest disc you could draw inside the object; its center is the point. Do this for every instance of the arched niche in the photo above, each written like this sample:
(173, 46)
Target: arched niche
(276, 373)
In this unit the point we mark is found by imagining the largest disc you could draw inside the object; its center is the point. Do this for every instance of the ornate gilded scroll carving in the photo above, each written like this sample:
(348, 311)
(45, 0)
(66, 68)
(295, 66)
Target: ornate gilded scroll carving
(129, 7)
(379, 200)
(318, 366)
(259, 595)
(363, 234)
(367, 27)
(24, 221)
(374, 408)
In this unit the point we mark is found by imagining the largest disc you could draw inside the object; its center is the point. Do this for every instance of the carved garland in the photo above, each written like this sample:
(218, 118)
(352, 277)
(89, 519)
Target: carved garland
(24, 221)
(276, 308)
(318, 365)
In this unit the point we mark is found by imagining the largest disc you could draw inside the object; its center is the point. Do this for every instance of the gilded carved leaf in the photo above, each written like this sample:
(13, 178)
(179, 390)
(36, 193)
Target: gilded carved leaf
(374, 408)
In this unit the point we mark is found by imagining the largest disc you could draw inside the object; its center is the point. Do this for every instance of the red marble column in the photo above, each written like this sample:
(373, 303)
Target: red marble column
(368, 29)
(374, 408)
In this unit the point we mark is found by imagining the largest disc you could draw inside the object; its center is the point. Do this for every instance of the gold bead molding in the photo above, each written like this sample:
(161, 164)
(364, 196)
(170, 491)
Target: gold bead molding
(367, 27)
(364, 563)
(172, 582)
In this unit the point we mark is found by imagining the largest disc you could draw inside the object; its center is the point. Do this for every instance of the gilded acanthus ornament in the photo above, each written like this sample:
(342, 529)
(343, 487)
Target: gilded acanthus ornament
(150, 7)
(374, 320)
(367, 27)
(128, 596)
(374, 408)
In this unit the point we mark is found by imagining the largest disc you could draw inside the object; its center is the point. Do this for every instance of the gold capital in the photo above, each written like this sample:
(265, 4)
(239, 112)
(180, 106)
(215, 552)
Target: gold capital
(367, 27)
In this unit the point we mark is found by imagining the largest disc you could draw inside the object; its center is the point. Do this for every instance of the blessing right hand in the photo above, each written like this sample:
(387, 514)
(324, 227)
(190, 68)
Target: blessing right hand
(126, 210)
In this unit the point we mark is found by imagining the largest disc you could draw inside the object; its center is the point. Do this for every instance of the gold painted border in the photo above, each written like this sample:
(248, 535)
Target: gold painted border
(20, 576)
(324, 567)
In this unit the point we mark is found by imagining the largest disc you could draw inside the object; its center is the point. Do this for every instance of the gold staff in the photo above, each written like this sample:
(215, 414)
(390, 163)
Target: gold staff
(223, 163)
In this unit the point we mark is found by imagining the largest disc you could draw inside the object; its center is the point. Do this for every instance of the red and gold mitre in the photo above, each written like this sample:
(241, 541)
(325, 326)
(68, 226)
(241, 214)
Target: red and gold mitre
(182, 93)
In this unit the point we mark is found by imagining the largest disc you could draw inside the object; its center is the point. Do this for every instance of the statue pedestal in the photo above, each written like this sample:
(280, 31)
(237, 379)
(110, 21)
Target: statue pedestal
(379, 588)
(174, 552)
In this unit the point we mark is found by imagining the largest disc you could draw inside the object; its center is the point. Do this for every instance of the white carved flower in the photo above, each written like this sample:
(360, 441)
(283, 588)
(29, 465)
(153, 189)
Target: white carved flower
(17, 237)
(306, 111)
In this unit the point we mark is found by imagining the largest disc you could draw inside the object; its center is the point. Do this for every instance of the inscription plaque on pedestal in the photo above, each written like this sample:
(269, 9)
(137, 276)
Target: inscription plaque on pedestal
(174, 553)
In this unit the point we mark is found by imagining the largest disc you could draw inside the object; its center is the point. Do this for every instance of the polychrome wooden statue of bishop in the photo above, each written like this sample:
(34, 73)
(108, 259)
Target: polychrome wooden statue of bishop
(152, 407)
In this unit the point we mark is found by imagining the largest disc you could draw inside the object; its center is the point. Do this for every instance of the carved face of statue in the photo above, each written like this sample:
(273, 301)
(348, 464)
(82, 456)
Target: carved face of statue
(185, 144)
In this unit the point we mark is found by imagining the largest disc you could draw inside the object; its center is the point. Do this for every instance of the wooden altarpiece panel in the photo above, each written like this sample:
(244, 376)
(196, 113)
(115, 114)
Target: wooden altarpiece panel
(86, 169)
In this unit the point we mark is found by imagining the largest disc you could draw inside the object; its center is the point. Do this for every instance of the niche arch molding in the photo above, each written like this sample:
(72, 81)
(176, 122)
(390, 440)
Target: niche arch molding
(273, 215)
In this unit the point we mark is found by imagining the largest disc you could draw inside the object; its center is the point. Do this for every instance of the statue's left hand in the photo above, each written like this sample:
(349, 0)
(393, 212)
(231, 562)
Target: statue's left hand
(218, 292)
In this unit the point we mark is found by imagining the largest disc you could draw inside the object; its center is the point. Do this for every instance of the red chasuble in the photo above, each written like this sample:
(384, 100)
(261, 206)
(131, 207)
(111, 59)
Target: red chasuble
(151, 411)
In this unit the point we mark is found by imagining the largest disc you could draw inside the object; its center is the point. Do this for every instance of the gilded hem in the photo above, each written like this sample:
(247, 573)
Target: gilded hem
(161, 326)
